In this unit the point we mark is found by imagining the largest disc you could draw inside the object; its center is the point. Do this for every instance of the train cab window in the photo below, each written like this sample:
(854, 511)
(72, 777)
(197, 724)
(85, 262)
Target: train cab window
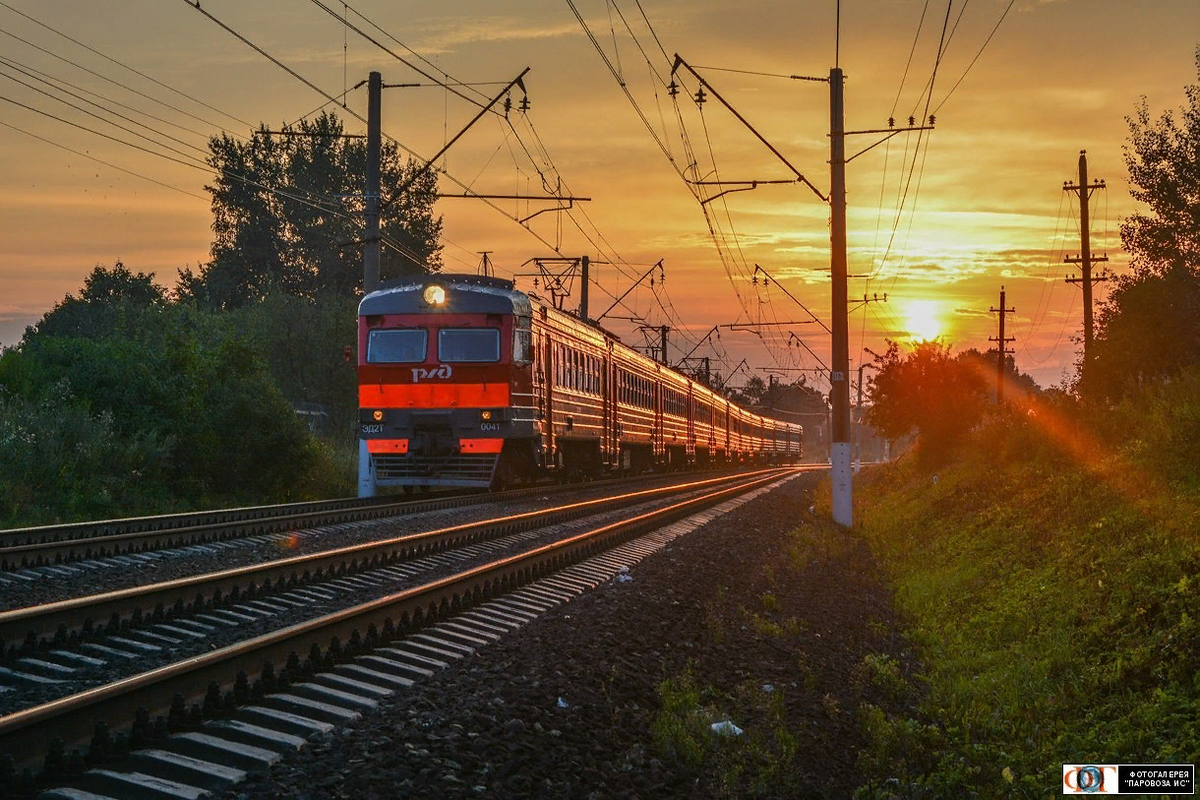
(396, 346)
(467, 345)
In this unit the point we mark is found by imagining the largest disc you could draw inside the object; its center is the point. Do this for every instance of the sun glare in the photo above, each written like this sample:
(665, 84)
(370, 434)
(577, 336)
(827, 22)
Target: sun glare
(923, 319)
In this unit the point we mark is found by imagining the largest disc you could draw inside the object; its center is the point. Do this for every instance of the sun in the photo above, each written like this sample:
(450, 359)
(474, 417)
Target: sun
(923, 319)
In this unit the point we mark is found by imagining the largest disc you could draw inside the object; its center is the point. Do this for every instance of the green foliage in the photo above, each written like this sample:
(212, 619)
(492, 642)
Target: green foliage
(1052, 592)
(188, 407)
(302, 343)
(285, 219)
(110, 302)
(1146, 329)
(929, 392)
(1163, 158)
(62, 462)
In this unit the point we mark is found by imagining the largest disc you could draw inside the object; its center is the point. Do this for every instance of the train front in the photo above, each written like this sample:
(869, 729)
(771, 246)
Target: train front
(444, 382)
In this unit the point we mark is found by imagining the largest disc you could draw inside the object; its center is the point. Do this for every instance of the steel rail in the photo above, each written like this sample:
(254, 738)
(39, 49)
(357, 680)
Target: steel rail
(70, 722)
(29, 626)
(60, 544)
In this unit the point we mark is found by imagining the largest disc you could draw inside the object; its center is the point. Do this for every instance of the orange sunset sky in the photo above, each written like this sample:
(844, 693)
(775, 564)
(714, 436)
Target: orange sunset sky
(938, 222)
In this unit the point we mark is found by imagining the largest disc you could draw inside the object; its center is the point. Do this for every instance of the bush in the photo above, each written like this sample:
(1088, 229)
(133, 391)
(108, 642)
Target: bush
(61, 462)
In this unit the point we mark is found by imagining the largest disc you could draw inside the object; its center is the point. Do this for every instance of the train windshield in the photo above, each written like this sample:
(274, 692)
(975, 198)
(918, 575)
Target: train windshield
(396, 346)
(458, 345)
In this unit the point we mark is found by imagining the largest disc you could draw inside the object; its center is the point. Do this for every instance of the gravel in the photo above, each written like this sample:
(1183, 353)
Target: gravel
(764, 613)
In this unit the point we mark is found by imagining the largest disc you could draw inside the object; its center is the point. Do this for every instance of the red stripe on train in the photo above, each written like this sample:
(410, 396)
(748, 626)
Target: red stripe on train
(432, 395)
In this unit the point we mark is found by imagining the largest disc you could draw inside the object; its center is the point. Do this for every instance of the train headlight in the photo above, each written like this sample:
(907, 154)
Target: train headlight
(434, 295)
(377, 416)
(486, 416)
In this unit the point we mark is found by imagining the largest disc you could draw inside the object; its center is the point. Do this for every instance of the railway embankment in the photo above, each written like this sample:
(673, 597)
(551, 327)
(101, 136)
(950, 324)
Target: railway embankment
(765, 621)
(1049, 580)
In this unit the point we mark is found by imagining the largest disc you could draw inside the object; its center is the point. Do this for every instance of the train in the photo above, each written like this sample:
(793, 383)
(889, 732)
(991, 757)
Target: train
(465, 381)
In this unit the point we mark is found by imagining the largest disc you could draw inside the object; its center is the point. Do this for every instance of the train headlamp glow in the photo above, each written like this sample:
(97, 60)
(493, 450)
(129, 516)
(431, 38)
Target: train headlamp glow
(485, 415)
(377, 416)
(434, 295)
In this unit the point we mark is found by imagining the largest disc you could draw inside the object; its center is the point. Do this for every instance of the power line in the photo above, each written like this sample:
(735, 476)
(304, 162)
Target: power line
(119, 64)
(110, 122)
(58, 83)
(977, 55)
(102, 161)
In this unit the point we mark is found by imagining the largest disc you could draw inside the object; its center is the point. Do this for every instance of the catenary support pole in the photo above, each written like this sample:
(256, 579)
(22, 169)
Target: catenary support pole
(374, 135)
(841, 451)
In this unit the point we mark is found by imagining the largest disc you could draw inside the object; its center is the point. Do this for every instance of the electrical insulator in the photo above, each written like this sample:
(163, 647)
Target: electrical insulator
(507, 105)
(524, 104)
(673, 88)
(700, 97)
(912, 121)
(932, 119)
(891, 122)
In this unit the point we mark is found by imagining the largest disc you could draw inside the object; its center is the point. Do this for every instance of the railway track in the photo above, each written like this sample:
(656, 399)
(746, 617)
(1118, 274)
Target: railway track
(340, 646)
(29, 553)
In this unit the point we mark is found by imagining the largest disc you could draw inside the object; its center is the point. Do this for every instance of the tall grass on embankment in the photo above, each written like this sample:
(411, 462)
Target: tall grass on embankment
(1049, 578)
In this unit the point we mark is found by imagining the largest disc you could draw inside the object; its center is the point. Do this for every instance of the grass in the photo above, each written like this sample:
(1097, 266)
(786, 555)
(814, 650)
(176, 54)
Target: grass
(1052, 587)
(756, 762)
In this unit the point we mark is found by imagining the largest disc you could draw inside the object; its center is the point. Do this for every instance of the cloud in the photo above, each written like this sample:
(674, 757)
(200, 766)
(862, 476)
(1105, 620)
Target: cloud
(449, 34)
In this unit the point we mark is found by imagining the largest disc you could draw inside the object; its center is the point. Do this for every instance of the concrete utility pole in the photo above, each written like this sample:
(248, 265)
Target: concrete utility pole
(1085, 258)
(662, 332)
(841, 449)
(1001, 346)
(374, 146)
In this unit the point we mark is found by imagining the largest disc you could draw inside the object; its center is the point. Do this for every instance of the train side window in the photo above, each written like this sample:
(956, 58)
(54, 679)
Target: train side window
(522, 342)
(397, 346)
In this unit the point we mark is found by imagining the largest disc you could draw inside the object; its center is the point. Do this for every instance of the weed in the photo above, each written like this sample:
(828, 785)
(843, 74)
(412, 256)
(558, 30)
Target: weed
(883, 672)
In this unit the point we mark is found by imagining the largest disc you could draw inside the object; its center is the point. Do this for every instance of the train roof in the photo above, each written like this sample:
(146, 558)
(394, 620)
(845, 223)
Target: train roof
(465, 294)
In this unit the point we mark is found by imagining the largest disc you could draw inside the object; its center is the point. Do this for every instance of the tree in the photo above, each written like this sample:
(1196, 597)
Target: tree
(928, 391)
(1147, 327)
(1015, 381)
(107, 298)
(287, 216)
(1163, 158)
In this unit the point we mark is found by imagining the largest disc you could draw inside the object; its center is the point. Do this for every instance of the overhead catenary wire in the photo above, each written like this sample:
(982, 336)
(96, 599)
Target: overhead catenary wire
(109, 164)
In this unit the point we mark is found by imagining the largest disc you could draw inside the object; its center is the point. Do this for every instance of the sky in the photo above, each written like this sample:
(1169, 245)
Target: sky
(938, 221)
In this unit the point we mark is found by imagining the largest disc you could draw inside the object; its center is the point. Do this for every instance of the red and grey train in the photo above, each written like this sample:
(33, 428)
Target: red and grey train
(465, 381)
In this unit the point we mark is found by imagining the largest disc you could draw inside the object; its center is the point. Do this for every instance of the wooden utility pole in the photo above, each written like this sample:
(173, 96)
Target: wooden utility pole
(1001, 347)
(839, 394)
(371, 237)
(1085, 258)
